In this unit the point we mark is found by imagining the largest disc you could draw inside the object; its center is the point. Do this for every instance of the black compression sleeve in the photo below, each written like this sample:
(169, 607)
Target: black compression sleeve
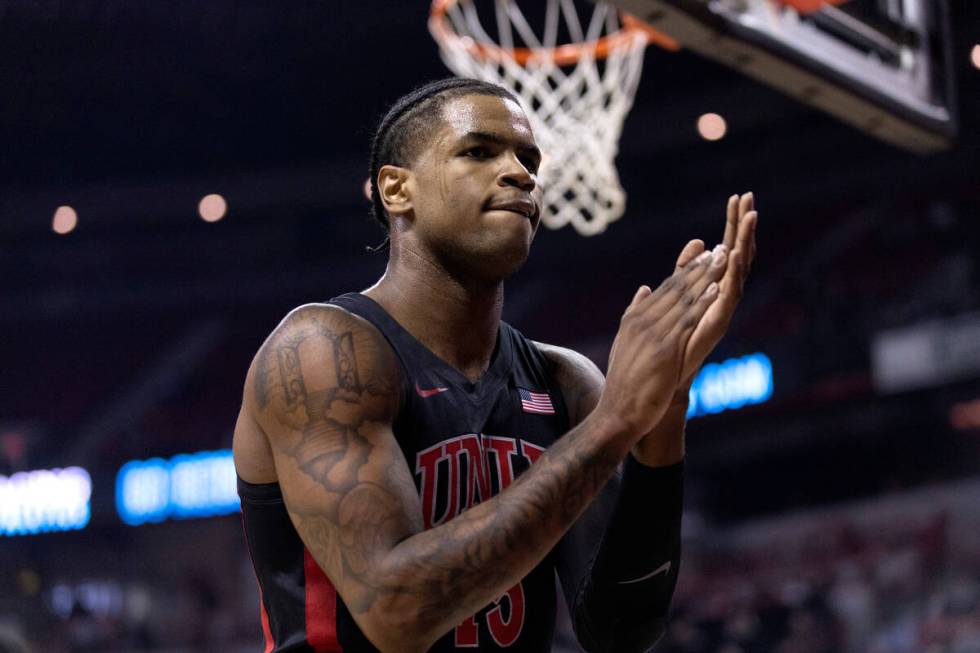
(622, 606)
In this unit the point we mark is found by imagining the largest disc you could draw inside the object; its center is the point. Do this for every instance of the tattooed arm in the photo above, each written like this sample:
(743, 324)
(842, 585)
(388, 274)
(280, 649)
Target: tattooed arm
(618, 564)
(323, 393)
(324, 389)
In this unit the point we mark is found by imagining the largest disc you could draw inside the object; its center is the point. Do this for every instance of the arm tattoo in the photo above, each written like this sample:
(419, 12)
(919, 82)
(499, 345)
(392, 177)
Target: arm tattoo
(290, 372)
(366, 529)
(343, 351)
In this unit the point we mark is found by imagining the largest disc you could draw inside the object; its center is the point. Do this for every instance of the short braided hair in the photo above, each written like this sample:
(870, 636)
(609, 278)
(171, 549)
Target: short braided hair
(410, 122)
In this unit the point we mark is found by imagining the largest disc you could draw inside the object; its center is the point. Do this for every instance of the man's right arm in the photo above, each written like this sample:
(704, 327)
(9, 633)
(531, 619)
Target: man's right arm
(325, 390)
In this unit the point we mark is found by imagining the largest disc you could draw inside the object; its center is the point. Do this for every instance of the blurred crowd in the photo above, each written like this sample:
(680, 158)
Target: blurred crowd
(905, 579)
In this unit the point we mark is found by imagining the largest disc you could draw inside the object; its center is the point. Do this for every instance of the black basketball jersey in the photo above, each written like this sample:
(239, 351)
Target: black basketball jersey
(464, 442)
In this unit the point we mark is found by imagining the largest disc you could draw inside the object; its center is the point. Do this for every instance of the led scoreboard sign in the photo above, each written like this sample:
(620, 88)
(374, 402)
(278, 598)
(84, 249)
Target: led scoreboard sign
(44, 501)
(187, 485)
(731, 384)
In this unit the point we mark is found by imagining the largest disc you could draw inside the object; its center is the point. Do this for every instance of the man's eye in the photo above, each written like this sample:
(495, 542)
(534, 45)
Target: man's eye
(478, 152)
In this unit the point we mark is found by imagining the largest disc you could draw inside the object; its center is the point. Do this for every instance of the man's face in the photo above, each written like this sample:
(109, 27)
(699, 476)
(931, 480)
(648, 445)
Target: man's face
(476, 199)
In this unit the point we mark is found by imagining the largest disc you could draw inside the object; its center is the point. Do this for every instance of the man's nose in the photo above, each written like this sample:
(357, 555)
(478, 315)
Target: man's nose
(515, 173)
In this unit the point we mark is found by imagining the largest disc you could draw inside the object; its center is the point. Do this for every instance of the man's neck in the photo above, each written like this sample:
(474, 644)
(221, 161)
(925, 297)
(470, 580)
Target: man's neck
(457, 320)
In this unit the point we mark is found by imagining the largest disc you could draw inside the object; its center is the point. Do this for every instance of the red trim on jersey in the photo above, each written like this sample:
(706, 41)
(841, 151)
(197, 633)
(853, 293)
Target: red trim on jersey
(321, 608)
(270, 642)
(810, 6)
(266, 631)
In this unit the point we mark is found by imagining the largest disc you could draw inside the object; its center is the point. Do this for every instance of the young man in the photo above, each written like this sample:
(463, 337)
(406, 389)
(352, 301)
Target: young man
(386, 438)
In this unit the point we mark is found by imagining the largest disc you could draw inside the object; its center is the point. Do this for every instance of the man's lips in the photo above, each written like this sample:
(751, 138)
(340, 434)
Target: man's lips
(527, 208)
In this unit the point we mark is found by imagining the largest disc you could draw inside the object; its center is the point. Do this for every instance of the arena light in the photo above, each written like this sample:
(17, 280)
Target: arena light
(730, 385)
(45, 501)
(965, 416)
(975, 56)
(712, 127)
(103, 598)
(212, 207)
(64, 221)
(201, 484)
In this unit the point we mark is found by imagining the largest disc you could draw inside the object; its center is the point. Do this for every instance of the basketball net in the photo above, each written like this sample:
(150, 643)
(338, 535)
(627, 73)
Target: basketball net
(576, 94)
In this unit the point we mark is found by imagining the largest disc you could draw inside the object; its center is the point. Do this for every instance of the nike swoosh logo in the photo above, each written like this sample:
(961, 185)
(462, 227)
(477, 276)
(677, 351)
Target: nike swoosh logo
(426, 393)
(662, 569)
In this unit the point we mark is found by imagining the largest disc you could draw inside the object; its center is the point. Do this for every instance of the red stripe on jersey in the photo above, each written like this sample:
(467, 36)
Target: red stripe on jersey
(266, 631)
(270, 642)
(321, 608)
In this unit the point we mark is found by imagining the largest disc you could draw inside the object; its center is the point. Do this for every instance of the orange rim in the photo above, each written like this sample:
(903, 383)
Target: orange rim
(563, 55)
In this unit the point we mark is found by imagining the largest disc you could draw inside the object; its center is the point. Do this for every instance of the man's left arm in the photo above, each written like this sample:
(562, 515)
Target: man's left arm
(618, 565)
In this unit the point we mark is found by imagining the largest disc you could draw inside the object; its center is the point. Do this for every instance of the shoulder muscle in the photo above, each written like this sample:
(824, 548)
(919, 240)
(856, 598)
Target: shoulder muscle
(580, 380)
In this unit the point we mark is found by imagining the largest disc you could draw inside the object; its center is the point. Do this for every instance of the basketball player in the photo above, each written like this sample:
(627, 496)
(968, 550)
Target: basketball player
(413, 471)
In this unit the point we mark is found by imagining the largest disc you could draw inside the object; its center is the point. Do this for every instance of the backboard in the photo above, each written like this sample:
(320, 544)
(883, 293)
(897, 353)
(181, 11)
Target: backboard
(883, 66)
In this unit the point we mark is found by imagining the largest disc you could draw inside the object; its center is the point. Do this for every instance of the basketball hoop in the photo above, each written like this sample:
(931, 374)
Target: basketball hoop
(576, 93)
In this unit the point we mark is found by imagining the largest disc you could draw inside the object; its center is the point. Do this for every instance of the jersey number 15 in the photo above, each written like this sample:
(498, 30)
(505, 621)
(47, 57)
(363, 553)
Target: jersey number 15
(503, 629)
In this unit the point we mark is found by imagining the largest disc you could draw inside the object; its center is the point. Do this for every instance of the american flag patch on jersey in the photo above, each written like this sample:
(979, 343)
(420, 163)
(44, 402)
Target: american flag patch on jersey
(536, 402)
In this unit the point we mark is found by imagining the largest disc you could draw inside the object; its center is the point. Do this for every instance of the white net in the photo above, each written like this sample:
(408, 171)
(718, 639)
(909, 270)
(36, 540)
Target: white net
(576, 108)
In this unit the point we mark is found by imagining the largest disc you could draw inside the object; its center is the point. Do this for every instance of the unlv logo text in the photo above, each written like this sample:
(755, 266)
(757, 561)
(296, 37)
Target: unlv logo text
(458, 473)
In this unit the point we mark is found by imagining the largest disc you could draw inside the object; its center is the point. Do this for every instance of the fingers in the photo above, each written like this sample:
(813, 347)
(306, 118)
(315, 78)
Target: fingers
(641, 293)
(715, 270)
(691, 251)
(731, 222)
(734, 280)
(747, 240)
(737, 210)
(740, 238)
(745, 249)
(685, 326)
(672, 288)
(746, 203)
